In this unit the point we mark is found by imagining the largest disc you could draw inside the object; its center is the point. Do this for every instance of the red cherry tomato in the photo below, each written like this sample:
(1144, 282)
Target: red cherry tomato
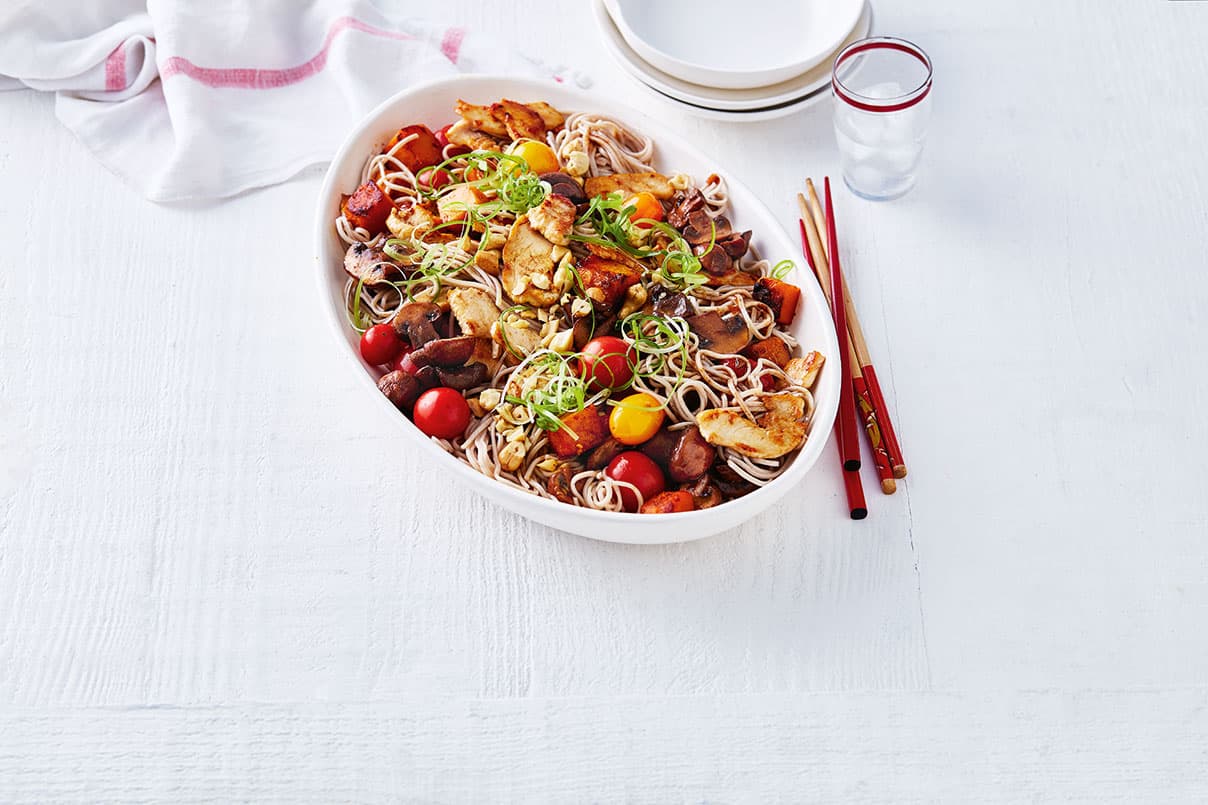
(635, 468)
(442, 412)
(429, 179)
(742, 366)
(380, 344)
(401, 362)
(607, 362)
(442, 135)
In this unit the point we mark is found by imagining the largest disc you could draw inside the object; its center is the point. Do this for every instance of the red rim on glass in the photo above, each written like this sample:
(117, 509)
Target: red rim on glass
(894, 104)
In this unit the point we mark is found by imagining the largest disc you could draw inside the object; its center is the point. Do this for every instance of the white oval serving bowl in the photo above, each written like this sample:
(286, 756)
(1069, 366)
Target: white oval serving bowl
(432, 104)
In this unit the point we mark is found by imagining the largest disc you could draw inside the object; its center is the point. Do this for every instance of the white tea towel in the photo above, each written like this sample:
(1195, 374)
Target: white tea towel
(194, 100)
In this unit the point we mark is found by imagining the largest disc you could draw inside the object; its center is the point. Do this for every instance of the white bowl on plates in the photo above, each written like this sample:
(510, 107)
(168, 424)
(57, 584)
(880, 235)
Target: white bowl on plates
(432, 104)
(772, 101)
(717, 44)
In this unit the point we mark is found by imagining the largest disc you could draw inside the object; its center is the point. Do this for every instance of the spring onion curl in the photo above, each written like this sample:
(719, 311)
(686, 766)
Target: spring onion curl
(533, 393)
(781, 269)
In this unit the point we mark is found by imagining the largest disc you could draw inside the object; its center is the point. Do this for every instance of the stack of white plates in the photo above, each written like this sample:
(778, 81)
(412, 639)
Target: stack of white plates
(728, 61)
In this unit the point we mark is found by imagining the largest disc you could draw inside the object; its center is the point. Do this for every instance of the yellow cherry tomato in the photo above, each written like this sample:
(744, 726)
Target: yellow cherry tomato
(647, 207)
(539, 156)
(635, 419)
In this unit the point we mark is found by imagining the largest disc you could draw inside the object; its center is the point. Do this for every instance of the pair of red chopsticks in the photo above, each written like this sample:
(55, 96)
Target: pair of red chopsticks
(861, 388)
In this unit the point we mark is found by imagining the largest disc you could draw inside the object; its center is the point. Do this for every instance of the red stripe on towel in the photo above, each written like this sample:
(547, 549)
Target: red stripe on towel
(115, 69)
(255, 78)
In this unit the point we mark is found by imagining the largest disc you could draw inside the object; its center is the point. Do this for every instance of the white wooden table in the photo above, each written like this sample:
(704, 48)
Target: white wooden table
(215, 584)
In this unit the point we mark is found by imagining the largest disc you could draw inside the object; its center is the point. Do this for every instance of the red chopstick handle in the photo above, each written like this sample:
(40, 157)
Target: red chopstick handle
(849, 445)
(855, 495)
(894, 450)
(872, 429)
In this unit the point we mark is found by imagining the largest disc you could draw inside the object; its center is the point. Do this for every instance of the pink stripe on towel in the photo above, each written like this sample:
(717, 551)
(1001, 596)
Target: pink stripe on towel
(115, 69)
(450, 45)
(255, 78)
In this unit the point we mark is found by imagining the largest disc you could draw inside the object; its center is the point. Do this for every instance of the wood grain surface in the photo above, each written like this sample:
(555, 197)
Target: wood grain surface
(218, 584)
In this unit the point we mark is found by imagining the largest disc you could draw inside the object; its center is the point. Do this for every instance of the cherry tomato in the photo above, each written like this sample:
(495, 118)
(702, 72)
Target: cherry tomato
(401, 362)
(742, 366)
(647, 207)
(635, 419)
(634, 468)
(442, 412)
(380, 344)
(607, 363)
(429, 179)
(442, 135)
(539, 156)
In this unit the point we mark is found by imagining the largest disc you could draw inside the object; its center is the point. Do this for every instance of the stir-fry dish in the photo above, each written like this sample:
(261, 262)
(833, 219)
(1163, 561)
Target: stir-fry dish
(569, 321)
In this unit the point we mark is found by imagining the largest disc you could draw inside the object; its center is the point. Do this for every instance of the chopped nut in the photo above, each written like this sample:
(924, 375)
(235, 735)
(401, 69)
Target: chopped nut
(635, 297)
(540, 281)
(516, 435)
(563, 341)
(596, 295)
(681, 181)
(521, 283)
(475, 406)
(580, 307)
(576, 163)
(548, 464)
(512, 456)
(489, 398)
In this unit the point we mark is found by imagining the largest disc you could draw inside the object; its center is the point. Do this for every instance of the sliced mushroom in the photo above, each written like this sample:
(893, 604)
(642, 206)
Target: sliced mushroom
(659, 447)
(565, 185)
(400, 388)
(703, 229)
(462, 377)
(729, 482)
(369, 264)
(599, 458)
(559, 484)
(691, 456)
(670, 304)
(686, 202)
(778, 432)
(737, 244)
(715, 260)
(704, 492)
(445, 352)
(726, 334)
(416, 322)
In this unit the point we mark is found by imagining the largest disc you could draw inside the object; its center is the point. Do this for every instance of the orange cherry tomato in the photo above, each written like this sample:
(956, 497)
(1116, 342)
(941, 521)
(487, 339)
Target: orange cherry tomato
(647, 206)
(635, 419)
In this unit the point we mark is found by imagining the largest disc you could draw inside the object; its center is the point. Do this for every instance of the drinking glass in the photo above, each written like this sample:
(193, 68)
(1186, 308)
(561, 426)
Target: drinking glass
(882, 91)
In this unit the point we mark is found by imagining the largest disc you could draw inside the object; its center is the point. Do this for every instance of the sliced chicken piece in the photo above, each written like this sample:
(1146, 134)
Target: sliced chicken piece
(409, 215)
(483, 118)
(462, 133)
(778, 432)
(488, 261)
(550, 116)
(554, 218)
(528, 266)
(804, 371)
(656, 184)
(475, 311)
(522, 122)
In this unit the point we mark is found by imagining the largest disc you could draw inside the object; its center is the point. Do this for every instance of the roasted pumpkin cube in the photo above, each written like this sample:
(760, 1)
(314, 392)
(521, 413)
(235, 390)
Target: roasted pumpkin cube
(368, 208)
(456, 204)
(774, 349)
(605, 281)
(582, 431)
(421, 151)
(782, 297)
